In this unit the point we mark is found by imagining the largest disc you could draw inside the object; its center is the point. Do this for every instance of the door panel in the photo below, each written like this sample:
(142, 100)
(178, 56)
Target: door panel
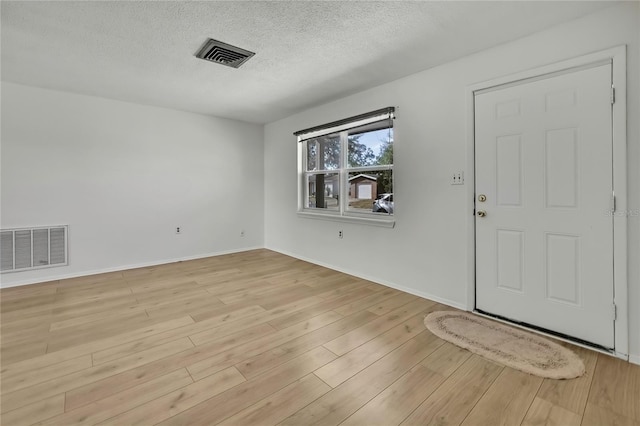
(544, 250)
(563, 268)
(561, 168)
(510, 259)
(509, 170)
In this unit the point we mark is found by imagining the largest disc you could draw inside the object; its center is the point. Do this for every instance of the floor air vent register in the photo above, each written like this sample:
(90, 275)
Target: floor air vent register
(33, 248)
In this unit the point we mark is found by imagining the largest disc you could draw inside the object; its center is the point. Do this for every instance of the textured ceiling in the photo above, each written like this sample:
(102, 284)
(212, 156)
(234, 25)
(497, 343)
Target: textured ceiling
(307, 52)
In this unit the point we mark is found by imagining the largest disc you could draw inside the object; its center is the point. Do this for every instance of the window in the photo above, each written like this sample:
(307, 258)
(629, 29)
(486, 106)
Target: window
(347, 167)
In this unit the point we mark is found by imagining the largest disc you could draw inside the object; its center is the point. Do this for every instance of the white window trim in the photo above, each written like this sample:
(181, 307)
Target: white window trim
(385, 223)
(342, 214)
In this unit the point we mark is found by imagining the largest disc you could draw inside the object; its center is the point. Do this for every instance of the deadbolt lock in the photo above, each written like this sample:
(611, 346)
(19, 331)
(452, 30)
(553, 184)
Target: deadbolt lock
(482, 213)
(482, 198)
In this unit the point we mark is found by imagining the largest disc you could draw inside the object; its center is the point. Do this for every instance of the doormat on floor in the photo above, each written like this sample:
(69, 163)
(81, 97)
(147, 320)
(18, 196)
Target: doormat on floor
(506, 345)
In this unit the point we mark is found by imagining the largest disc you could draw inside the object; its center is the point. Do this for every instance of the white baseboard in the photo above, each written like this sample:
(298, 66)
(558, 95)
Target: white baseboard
(634, 359)
(424, 295)
(124, 267)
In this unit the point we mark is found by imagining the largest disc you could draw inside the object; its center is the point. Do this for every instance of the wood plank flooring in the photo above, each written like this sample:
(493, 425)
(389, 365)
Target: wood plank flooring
(259, 338)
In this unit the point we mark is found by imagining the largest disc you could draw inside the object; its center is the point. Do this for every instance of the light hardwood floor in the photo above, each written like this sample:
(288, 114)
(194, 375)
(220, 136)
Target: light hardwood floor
(258, 338)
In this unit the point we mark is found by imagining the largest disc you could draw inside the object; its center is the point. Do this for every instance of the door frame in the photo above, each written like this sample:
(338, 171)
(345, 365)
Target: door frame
(617, 56)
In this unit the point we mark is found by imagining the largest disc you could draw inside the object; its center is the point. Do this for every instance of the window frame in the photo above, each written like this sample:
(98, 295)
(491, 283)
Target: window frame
(342, 129)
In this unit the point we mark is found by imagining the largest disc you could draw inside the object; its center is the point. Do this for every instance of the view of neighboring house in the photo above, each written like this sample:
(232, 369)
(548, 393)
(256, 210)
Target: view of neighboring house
(363, 187)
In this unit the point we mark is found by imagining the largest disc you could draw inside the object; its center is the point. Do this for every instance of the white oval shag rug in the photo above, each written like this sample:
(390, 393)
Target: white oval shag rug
(510, 346)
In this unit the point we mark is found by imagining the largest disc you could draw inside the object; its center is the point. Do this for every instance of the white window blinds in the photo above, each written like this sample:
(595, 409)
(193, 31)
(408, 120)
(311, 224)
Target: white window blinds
(346, 124)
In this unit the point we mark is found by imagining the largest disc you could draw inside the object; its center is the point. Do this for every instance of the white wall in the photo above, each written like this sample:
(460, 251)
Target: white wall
(426, 251)
(123, 176)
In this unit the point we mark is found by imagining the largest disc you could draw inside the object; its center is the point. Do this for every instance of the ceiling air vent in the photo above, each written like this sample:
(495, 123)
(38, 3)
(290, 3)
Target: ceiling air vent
(223, 53)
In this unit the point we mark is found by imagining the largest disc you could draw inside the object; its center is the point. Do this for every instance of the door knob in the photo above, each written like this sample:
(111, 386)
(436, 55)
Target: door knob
(482, 213)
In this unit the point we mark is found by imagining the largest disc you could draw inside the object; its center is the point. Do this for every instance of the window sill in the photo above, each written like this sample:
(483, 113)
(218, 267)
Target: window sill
(385, 223)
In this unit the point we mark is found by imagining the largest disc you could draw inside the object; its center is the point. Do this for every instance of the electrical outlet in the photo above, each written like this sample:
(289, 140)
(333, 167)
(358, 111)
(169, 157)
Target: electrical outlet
(178, 230)
(340, 234)
(457, 178)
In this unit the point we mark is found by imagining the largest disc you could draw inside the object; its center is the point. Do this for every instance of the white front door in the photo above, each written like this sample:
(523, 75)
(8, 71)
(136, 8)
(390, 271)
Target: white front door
(544, 249)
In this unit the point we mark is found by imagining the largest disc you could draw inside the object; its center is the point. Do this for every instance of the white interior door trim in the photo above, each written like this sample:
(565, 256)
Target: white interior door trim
(617, 55)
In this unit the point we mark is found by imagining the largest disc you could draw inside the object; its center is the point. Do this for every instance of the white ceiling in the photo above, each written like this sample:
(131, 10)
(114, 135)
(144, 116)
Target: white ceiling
(307, 52)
